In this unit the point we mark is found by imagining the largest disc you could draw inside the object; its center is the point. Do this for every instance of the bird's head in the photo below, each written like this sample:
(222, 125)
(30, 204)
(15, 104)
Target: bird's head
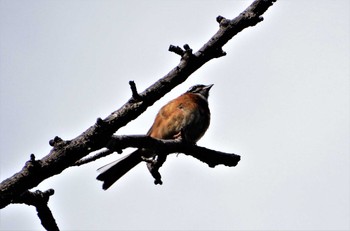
(201, 89)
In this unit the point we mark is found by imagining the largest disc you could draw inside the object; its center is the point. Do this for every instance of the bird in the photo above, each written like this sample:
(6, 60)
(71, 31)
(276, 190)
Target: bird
(185, 118)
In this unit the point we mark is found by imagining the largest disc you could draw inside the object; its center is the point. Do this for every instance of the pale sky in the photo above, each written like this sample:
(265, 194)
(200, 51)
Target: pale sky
(280, 100)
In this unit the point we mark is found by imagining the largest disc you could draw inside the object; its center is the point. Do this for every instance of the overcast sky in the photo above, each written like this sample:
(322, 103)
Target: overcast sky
(280, 100)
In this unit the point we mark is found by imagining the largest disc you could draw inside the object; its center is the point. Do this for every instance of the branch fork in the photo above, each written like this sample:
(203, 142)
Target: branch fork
(39, 200)
(186, 53)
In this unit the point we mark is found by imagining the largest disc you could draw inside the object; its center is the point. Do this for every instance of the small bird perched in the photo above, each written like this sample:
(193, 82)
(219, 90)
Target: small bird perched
(187, 118)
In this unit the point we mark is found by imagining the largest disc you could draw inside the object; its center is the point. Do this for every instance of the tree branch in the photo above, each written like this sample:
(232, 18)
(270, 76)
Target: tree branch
(208, 156)
(39, 200)
(66, 153)
(135, 95)
(165, 147)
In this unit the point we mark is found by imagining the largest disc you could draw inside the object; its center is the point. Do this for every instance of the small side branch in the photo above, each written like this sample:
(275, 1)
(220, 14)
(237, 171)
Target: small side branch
(94, 157)
(176, 49)
(39, 199)
(135, 95)
(186, 53)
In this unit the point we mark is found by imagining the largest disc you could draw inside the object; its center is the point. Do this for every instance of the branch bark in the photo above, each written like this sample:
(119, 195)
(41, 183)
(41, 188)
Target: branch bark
(208, 156)
(65, 154)
(39, 200)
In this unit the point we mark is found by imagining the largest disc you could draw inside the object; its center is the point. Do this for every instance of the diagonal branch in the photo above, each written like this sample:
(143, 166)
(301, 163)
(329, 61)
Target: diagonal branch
(65, 153)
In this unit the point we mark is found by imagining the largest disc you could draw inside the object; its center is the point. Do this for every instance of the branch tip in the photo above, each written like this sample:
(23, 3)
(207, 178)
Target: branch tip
(219, 53)
(50, 192)
(220, 18)
(33, 164)
(177, 50)
(187, 47)
(256, 20)
(32, 157)
(55, 141)
(135, 95)
(223, 22)
(185, 53)
(99, 122)
(211, 165)
(94, 157)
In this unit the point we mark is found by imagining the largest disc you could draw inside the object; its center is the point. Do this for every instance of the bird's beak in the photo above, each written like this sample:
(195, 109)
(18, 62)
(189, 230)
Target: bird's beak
(208, 86)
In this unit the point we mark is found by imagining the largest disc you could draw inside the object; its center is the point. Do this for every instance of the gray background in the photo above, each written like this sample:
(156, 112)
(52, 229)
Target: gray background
(281, 100)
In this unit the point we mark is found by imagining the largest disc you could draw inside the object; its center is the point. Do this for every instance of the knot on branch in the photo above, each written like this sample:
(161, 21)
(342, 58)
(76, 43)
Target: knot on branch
(57, 142)
(100, 122)
(102, 127)
(32, 164)
(186, 53)
(223, 22)
(218, 52)
(252, 16)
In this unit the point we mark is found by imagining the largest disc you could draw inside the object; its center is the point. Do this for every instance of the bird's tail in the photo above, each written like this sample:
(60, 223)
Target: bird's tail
(111, 172)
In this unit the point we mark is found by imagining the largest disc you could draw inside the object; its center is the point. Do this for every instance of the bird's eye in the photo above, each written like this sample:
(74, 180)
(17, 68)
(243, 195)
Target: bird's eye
(193, 88)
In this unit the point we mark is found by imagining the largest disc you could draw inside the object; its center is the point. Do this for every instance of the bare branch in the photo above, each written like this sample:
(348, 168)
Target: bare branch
(66, 153)
(97, 156)
(208, 156)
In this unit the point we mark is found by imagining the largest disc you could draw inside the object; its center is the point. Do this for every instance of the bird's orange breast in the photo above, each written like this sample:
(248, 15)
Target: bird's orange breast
(187, 116)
